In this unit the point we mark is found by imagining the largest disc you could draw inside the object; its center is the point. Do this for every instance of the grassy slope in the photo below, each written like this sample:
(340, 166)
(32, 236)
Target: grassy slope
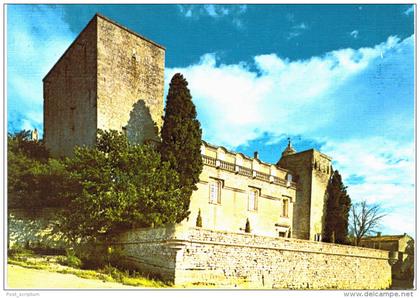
(38, 271)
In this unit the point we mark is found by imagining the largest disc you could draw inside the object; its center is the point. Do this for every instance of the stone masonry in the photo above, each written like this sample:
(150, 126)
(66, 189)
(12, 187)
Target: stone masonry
(185, 255)
(109, 78)
(238, 176)
(113, 78)
(312, 170)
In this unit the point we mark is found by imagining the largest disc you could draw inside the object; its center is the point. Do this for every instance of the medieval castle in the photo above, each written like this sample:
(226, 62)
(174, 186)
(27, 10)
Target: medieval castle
(113, 78)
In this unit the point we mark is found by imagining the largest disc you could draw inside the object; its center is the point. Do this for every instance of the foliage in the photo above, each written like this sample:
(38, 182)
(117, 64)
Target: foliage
(19, 251)
(365, 219)
(199, 221)
(181, 139)
(407, 266)
(119, 186)
(71, 259)
(20, 142)
(337, 211)
(105, 273)
(247, 226)
(34, 180)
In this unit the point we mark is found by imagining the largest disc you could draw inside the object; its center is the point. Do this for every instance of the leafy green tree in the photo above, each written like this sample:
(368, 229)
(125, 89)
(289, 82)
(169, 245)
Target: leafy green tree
(181, 139)
(20, 142)
(34, 180)
(119, 186)
(337, 211)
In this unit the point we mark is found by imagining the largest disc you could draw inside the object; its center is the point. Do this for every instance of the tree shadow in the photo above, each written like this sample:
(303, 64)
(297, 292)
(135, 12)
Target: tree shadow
(141, 128)
(34, 229)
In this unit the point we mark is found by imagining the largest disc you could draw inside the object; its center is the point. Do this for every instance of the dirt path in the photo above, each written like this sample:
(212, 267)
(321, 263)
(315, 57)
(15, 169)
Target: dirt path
(25, 278)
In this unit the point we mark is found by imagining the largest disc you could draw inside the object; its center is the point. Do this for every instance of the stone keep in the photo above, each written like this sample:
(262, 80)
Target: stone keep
(109, 78)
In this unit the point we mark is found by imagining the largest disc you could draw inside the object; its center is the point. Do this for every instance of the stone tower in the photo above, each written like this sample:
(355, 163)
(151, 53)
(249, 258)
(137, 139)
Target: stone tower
(312, 170)
(109, 78)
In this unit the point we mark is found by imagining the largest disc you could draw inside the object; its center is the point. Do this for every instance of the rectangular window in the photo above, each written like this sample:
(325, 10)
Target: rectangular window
(285, 208)
(215, 191)
(253, 199)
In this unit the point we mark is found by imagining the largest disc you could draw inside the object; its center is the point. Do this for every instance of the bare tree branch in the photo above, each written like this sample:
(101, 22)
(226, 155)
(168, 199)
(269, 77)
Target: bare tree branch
(365, 219)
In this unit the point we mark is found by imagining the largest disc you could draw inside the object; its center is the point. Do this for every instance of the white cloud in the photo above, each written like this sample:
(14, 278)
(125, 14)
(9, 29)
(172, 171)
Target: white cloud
(386, 166)
(211, 10)
(386, 171)
(301, 26)
(296, 30)
(315, 98)
(409, 10)
(36, 39)
(354, 34)
(279, 98)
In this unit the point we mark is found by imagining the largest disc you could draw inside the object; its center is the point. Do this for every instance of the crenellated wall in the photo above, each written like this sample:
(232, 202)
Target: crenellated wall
(185, 256)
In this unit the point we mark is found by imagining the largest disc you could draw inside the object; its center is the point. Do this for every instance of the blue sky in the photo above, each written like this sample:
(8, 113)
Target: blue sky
(338, 78)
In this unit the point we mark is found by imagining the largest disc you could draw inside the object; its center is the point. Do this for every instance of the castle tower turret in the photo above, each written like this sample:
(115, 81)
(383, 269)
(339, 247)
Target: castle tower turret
(289, 149)
(312, 170)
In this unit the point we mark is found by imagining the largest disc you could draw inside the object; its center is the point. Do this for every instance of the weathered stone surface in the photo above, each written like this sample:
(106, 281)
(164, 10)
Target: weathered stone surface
(109, 78)
(130, 70)
(112, 78)
(193, 255)
(35, 229)
(231, 213)
(312, 170)
(70, 96)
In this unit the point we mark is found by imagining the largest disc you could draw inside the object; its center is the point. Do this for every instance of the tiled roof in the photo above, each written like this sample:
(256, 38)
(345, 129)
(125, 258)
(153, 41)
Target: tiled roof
(384, 238)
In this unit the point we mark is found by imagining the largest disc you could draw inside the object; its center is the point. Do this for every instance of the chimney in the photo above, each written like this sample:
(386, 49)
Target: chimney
(256, 155)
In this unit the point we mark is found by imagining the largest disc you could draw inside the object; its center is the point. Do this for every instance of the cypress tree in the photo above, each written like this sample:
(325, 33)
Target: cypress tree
(181, 139)
(247, 226)
(337, 210)
(199, 221)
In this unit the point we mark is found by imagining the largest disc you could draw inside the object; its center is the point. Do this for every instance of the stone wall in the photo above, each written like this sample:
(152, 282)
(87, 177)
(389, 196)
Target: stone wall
(321, 173)
(130, 81)
(194, 255)
(70, 96)
(300, 165)
(312, 170)
(238, 177)
(33, 229)
(150, 251)
(109, 78)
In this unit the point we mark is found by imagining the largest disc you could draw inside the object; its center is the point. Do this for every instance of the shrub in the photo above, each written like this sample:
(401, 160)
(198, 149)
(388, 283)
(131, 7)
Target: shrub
(70, 260)
(247, 226)
(199, 222)
(120, 186)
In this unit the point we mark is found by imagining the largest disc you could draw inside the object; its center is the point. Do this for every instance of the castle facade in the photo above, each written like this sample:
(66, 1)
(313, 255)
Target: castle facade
(113, 78)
